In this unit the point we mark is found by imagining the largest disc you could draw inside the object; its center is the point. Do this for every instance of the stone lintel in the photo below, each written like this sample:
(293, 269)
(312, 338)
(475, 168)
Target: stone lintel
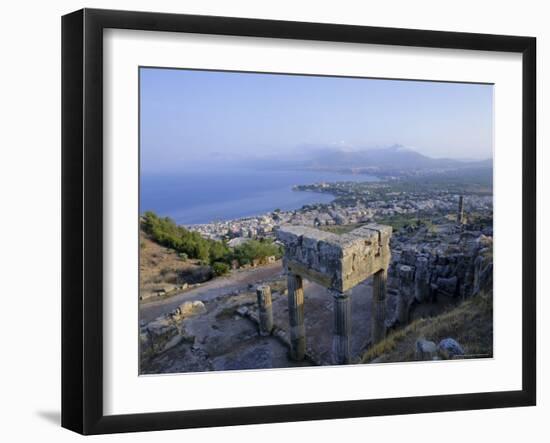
(338, 262)
(308, 273)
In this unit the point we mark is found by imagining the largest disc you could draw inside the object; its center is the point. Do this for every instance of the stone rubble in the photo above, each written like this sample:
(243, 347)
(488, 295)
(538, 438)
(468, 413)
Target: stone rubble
(167, 331)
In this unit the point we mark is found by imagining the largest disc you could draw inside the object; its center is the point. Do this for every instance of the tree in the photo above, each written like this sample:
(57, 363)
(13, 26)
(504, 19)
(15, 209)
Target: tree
(191, 244)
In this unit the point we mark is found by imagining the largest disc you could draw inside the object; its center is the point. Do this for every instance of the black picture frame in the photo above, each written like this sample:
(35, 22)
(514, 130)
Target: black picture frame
(82, 219)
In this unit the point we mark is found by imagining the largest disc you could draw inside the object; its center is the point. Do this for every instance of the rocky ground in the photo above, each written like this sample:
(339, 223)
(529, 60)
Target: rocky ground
(210, 326)
(463, 331)
(219, 338)
(237, 281)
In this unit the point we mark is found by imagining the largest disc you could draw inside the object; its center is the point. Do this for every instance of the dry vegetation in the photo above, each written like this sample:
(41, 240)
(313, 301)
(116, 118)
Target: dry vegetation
(163, 268)
(470, 323)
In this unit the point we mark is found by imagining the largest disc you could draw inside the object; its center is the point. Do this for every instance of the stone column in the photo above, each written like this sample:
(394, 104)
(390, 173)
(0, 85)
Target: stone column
(265, 309)
(406, 290)
(460, 213)
(296, 317)
(378, 315)
(341, 341)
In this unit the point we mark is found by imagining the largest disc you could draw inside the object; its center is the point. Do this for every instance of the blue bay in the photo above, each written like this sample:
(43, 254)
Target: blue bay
(197, 197)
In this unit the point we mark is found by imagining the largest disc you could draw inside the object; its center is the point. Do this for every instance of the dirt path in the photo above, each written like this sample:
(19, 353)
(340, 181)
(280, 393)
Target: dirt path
(219, 286)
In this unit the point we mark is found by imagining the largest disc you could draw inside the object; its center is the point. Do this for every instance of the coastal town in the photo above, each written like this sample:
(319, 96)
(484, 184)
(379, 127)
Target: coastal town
(354, 203)
(439, 270)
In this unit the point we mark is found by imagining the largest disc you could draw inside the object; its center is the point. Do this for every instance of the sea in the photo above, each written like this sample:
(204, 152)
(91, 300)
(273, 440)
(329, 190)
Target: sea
(200, 197)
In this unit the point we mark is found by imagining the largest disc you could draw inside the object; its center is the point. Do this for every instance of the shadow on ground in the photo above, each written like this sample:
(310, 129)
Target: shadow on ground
(53, 417)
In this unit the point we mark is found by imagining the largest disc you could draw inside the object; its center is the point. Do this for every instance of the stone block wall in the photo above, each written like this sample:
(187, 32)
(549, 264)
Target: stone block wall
(338, 262)
(461, 271)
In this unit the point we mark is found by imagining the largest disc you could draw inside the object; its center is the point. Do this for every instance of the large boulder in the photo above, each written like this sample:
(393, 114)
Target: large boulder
(168, 331)
(188, 309)
(449, 348)
(156, 335)
(425, 349)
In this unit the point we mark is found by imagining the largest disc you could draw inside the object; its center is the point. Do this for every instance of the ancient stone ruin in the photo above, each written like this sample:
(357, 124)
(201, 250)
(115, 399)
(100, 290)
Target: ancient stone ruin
(461, 269)
(417, 272)
(339, 263)
(460, 212)
(265, 314)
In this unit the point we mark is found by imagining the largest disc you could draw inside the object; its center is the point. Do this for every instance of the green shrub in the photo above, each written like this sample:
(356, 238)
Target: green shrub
(255, 249)
(191, 244)
(220, 268)
(165, 232)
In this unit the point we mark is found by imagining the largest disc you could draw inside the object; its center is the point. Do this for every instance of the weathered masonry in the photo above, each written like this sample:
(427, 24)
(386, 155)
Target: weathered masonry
(337, 262)
(460, 212)
(265, 308)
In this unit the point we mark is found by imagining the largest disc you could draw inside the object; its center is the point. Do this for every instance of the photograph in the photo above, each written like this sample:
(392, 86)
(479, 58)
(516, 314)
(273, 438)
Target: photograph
(290, 220)
(275, 221)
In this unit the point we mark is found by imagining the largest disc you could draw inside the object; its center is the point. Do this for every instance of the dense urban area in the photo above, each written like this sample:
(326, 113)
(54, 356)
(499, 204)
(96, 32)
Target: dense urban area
(398, 202)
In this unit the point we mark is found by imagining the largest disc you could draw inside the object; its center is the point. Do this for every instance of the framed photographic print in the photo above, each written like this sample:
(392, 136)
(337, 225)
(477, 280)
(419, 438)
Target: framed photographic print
(269, 221)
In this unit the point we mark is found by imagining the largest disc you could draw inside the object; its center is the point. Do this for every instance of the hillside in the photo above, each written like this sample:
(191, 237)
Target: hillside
(162, 270)
(172, 258)
(470, 324)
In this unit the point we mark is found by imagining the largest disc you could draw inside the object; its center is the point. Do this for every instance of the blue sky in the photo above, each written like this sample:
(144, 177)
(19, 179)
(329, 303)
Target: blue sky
(194, 117)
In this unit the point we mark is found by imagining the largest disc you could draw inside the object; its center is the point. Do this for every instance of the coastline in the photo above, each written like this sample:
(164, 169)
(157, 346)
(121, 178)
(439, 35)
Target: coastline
(267, 213)
(194, 198)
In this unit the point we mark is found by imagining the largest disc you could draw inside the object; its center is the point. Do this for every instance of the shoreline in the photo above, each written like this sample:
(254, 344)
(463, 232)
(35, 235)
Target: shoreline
(262, 214)
(194, 200)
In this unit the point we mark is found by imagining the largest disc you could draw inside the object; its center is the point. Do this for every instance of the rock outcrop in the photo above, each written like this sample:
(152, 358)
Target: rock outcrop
(167, 331)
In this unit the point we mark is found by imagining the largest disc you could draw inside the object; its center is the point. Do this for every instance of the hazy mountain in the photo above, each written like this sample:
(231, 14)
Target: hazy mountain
(395, 157)
(392, 160)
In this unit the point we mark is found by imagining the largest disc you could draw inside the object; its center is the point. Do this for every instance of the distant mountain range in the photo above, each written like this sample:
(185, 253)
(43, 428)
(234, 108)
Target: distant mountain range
(392, 160)
(395, 157)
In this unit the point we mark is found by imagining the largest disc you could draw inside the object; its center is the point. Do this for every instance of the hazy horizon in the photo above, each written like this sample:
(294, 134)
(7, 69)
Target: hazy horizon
(193, 118)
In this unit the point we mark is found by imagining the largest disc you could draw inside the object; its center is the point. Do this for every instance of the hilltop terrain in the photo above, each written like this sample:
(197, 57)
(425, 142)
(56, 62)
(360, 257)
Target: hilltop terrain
(439, 276)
